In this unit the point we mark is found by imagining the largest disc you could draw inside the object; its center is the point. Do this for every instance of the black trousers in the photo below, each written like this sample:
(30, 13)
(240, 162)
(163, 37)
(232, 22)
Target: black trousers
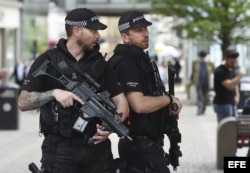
(73, 155)
(142, 156)
(202, 98)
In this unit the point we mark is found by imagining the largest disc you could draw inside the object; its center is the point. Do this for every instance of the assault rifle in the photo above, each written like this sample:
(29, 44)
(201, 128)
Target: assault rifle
(171, 127)
(97, 103)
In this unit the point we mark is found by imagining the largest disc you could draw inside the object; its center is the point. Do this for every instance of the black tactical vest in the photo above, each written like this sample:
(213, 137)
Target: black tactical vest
(53, 117)
(152, 124)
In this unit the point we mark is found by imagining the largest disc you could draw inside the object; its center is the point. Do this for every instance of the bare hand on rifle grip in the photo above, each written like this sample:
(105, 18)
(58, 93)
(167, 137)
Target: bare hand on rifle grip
(175, 107)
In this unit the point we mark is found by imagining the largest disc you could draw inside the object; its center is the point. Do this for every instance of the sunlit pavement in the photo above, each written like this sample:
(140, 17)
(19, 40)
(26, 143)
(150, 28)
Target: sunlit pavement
(20, 147)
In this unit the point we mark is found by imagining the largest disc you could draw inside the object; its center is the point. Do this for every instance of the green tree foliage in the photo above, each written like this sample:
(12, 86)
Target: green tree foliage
(32, 33)
(223, 21)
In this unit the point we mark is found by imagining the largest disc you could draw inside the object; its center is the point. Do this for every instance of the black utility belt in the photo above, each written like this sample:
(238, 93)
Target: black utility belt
(75, 136)
(147, 138)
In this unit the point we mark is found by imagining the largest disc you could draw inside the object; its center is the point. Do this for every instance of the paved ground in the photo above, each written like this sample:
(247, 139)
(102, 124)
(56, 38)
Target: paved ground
(20, 147)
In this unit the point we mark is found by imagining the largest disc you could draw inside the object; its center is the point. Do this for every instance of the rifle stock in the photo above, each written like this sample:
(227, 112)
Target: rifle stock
(96, 104)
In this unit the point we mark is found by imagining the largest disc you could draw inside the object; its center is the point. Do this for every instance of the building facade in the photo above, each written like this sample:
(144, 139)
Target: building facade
(9, 32)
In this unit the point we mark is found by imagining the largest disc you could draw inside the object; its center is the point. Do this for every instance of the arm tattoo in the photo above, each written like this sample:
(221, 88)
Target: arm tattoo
(45, 97)
(34, 100)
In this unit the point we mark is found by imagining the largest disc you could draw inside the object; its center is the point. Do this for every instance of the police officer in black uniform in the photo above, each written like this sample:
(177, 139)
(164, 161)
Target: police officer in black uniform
(65, 150)
(147, 111)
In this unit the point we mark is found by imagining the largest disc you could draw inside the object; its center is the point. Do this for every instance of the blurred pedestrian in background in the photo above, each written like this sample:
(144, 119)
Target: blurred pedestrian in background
(202, 70)
(226, 86)
(19, 72)
(177, 67)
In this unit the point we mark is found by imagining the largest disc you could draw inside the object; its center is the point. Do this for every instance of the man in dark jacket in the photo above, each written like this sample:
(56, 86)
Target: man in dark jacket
(202, 71)
(147, 111)
(19, 72)
(64, 149)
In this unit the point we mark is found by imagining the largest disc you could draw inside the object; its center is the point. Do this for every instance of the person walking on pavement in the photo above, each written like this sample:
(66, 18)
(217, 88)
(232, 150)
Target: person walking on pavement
(147, 111)
(65, 150)
(19, 72)
(226, 86)
(202, 70)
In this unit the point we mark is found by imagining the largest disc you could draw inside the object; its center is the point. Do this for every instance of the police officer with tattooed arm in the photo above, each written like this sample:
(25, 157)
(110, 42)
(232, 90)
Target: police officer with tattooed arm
(148, 111)
(64, 149)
